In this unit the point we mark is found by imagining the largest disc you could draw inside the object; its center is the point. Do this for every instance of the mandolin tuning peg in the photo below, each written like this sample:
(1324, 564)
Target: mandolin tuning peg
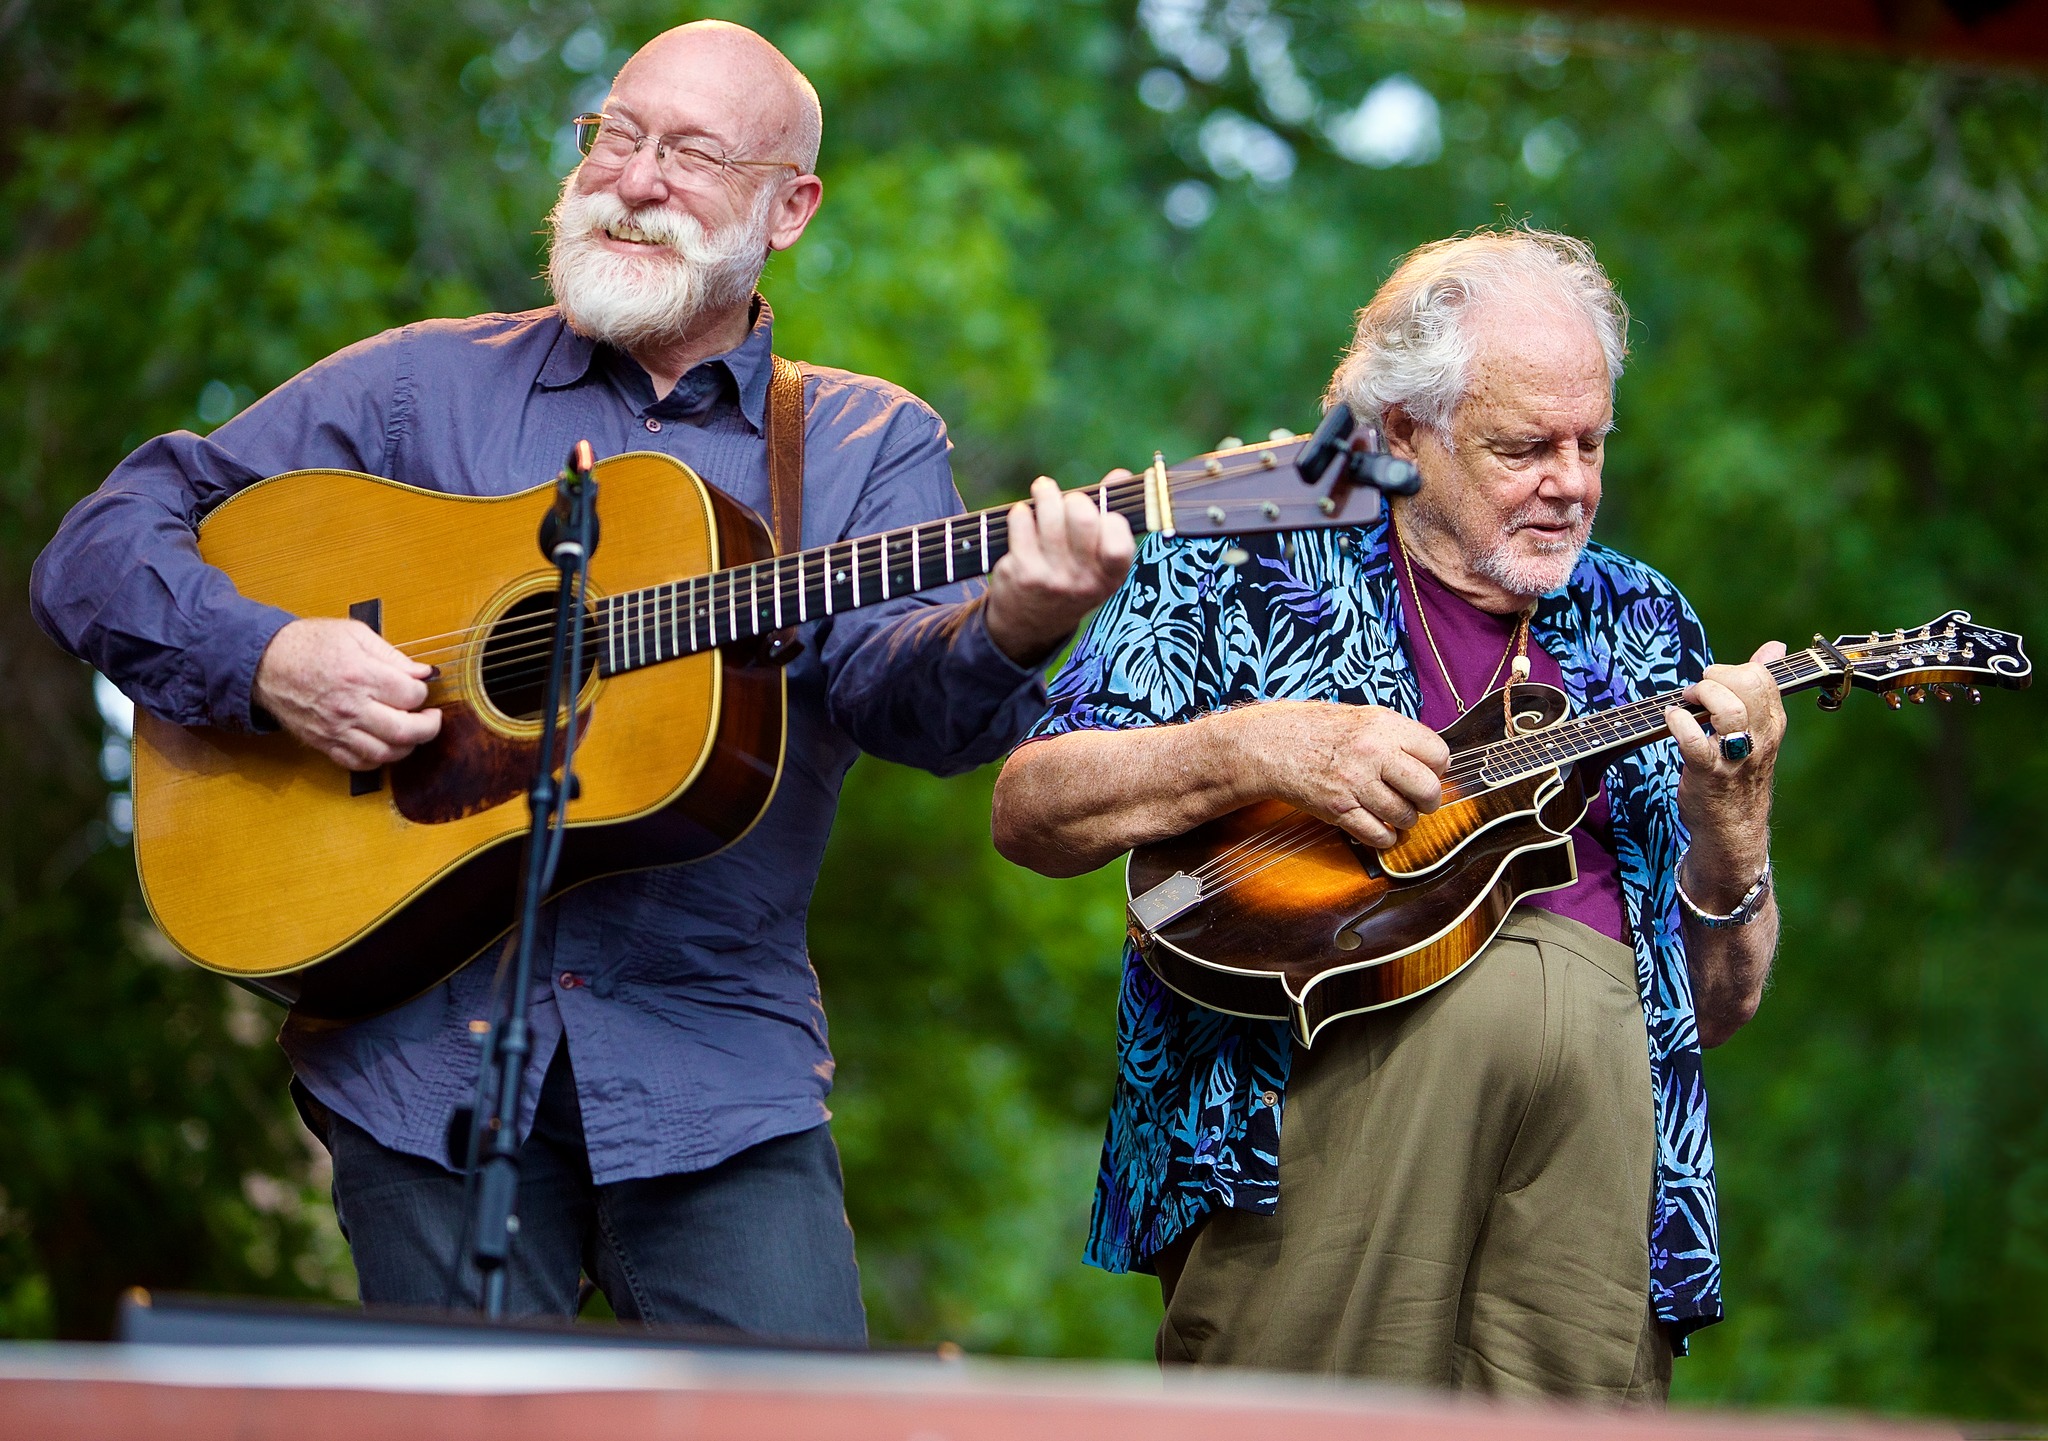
(1976, 696)
(1917, 694)
(1893, 699)
(1941, 693)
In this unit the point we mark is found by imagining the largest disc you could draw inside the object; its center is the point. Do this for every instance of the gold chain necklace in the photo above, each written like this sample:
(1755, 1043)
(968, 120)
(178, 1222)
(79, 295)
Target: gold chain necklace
(1518, 643)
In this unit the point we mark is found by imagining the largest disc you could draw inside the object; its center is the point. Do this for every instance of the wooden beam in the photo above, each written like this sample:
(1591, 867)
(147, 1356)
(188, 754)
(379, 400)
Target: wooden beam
(2002, 33)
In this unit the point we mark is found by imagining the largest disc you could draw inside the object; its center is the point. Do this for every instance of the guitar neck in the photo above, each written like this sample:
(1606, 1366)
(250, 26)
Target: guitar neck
(699, 613)
(1611, 732)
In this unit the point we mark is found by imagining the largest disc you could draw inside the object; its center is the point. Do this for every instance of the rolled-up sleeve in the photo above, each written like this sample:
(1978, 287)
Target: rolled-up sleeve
(122, 584)
(919, 681)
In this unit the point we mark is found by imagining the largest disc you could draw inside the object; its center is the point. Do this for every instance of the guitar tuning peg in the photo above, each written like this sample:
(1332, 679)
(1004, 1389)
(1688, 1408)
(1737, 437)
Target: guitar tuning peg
(1230, 442)
(1917, 694)
(1976, 696)
(1892, 699)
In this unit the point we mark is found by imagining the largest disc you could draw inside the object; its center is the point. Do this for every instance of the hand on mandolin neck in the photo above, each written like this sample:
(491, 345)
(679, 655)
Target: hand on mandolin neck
(1726, 807)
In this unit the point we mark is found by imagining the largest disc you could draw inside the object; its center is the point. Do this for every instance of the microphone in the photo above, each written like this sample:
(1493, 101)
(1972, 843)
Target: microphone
(558, 528)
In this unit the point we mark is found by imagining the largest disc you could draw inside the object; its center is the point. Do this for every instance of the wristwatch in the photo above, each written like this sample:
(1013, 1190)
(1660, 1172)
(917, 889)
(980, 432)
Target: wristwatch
(1746, 910)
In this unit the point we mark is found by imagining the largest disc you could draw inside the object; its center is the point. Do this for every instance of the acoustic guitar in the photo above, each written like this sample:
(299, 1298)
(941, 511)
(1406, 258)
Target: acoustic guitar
(344, 894)
(1269, 912)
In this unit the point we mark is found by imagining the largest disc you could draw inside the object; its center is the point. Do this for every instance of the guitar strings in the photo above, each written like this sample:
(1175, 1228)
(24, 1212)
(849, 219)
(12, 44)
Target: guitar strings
(1113, 495)
(669, 611)
(722, 587)
(997, 517)
(1117, 495)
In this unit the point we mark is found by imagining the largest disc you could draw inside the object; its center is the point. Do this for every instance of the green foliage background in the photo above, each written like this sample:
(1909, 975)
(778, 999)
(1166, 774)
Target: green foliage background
(1836, 419)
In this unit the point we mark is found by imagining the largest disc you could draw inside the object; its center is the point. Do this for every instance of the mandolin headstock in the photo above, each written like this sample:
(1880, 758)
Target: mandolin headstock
(1937, 658)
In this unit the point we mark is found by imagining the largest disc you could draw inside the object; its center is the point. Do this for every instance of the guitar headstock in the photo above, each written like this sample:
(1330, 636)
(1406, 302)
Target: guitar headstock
(1952, 651)
(1287, 482)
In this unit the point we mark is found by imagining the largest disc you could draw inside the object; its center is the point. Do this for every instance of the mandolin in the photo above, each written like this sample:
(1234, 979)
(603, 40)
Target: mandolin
(1269, 912)
(344, 894)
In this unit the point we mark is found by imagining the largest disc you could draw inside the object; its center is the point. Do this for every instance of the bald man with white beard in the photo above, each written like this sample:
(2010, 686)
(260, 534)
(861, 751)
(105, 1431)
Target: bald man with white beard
(675, 1147)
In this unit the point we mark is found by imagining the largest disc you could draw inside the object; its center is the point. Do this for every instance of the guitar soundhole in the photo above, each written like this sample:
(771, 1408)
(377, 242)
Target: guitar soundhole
(515, 659)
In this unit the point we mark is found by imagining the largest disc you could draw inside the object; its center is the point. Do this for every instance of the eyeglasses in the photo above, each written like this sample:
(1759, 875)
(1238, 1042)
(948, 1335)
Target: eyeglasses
(682, 159)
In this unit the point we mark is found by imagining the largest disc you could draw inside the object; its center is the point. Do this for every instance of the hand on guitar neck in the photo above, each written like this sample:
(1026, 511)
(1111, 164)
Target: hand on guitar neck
(1066, 557)
(339, 687)
(342, 689)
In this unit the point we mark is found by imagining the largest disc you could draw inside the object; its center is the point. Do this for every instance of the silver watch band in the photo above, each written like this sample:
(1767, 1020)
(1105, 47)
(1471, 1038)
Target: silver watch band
(1746, 910)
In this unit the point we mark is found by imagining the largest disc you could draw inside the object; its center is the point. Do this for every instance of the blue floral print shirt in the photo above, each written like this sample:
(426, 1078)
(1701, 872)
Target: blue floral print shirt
(1315, 615)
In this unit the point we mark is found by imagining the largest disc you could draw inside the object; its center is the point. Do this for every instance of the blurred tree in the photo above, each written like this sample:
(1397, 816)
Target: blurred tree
(1084, 231)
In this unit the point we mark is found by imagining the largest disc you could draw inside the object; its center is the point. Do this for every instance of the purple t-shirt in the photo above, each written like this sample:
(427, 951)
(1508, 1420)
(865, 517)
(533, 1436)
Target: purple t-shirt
(1474, 645)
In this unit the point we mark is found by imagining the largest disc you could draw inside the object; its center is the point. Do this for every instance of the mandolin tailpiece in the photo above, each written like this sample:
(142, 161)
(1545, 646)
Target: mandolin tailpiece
(1166, 902)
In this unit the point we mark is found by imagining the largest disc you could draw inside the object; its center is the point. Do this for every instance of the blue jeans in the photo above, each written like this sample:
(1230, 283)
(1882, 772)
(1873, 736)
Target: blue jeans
(757, 1243)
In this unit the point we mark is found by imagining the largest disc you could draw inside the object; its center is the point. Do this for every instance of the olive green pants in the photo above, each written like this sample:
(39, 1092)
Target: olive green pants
(1464, 1192)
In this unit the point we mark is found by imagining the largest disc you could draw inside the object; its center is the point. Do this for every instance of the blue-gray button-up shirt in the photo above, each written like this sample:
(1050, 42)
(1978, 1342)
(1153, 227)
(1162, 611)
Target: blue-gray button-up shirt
(685, 994)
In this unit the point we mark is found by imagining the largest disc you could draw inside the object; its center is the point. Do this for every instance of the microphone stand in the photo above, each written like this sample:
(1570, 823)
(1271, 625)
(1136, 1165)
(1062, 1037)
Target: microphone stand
(568, 536)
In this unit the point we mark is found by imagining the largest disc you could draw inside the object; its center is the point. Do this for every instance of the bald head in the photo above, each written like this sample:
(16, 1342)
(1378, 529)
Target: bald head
(728, 82)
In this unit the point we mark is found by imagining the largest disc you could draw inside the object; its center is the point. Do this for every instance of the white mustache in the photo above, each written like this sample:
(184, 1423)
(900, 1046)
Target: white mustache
(1573, 515)
(652, 224)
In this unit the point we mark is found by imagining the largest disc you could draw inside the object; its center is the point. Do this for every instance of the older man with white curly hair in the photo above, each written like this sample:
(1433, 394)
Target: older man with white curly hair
(675, 1147)
(1504, 1185)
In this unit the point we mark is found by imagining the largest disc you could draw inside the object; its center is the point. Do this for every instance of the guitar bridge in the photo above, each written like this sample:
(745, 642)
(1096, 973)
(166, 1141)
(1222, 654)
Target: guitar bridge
(371, 614)
(1166, 902)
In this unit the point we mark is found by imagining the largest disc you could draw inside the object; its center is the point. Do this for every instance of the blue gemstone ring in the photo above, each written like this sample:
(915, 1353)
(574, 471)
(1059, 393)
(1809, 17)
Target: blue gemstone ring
(1736, 746)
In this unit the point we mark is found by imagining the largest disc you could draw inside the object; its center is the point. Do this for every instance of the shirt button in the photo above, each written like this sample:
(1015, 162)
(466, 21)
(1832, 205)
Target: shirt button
(653, 426)
(569, 980)
(1269, 1098)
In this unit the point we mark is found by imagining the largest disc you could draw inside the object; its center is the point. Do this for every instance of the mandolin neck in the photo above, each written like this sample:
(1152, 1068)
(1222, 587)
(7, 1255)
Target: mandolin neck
(1611, 732)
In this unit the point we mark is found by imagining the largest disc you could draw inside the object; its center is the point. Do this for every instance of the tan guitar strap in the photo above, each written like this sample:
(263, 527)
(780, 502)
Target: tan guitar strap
(786, 454)
(785, 480)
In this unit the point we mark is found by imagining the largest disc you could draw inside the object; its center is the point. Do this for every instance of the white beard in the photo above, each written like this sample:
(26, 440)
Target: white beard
(1496, 558)
(633, 301)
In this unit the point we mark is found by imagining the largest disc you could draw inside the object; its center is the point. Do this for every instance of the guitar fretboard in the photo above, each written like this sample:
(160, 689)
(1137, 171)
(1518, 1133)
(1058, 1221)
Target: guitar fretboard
(698, 613)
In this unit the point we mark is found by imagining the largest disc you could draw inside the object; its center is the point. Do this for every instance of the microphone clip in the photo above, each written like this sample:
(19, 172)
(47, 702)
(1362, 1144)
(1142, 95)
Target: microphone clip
(569, 531)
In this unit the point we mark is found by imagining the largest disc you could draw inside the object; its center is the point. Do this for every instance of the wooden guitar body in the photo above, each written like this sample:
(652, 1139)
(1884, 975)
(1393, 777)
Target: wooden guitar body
(345, 895)
(1301, 923)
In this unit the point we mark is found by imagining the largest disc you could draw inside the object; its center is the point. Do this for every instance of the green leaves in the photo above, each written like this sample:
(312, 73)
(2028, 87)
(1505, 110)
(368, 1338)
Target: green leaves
(940, 304)
(1836, 418)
